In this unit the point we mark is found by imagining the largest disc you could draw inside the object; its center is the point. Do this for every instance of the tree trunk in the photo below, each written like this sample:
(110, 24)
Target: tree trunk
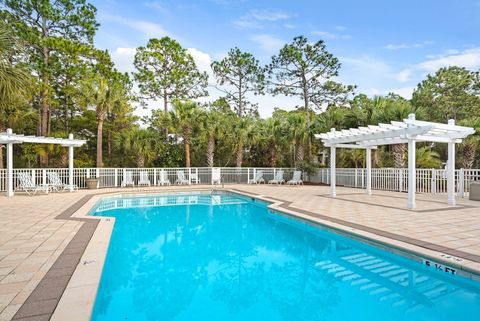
(239, 155)
(2, 129)
(300, 153)
(140, 161)
(273, 155)
(210, 151)
(44, 108)
(165, 109)
(469, 150)
(187, 152)
(399, 151)
(100, 141)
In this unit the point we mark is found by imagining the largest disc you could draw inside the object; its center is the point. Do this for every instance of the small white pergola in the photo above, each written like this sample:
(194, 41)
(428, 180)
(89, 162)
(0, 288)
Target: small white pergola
(408, 131)
(8, 138)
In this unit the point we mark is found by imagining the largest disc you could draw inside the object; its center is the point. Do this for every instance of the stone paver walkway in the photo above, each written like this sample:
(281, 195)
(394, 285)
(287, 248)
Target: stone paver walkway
(32, 238)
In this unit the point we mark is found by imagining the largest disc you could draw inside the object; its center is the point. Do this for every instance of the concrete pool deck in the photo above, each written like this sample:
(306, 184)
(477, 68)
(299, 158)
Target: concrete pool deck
(35, 231)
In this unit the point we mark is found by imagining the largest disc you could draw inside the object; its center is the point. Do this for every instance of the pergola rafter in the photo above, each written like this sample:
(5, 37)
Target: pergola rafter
(409, 131)
(8, 138)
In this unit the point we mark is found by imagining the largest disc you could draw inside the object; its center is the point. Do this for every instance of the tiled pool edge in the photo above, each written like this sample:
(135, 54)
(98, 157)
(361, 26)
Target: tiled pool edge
(40, 307)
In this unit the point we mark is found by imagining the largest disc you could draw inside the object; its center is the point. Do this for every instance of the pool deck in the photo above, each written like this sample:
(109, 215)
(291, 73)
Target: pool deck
(44, 239)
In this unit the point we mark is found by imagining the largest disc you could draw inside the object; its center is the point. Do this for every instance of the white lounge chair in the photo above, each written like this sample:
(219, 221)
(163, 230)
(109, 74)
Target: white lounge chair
(55, 183)
(216, 176)
(181, 180)
(296, 179)
(28, 186)
(258, 178)
(194, 178)
(163, 179)
(128, 179)
(144, 180)
(278, 179)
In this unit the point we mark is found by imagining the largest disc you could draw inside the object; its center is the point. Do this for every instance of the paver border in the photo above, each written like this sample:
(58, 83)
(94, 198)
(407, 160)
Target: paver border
(43, 301)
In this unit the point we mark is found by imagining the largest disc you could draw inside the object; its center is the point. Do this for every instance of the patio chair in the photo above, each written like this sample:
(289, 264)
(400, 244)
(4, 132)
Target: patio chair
(278, 179)
(144, 180)
(128, 179)
(296, 179)
(163, 179)
(258, 178)
(194, 178)
(28, 186)
(216, 176)
(181, 180)
(56, 184)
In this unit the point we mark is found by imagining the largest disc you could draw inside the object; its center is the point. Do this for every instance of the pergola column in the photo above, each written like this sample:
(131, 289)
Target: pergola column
(9, 166)
(333, 175)
(368, 164)
(412, 177)
(451, 169)
(70, 164)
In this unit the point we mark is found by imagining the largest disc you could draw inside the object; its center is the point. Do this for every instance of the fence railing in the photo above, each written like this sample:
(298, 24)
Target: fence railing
(433, 181)
(113, 177)
(430, 181)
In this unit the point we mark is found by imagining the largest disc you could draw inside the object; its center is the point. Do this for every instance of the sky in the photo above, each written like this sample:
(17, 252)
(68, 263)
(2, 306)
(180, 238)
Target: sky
(383, 46)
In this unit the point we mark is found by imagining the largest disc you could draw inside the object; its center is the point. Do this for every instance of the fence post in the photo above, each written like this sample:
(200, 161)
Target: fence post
(116, 177)
(355, 180)
(34, 177)
(88, 173)
(44, 176)
(400, 180)
(154, 177)
(433, 182)
(461, 182)
(196, 172)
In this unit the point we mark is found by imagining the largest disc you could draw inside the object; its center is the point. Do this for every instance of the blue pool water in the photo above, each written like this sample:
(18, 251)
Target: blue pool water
(226, 257)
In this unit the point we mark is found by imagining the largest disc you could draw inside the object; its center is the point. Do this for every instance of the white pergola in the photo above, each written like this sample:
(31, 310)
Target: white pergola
(408, 131)
(8, 138)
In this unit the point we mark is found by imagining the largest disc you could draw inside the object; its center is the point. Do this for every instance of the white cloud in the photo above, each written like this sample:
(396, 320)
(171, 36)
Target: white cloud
(147, 28)
(407, 46)
(255, 19)
(469, 58)
(268, 43)
(340, 28)
(123, 59)
(158, 6)
(331, 35)
(404, 75)
(203, 61)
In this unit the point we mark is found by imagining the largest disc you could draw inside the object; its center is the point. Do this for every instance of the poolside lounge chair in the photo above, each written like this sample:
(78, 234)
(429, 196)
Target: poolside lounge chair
(181, 180)
(128, 179)
(278, 179)
(163, 180)
(56, 183)
(194, 178)
(296, 179)
(216, 176)
(258, 178)
(28, 186)
(144, 180)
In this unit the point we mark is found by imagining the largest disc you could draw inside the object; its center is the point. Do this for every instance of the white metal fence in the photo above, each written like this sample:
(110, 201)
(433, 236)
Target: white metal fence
(431, 181)
(113, 177)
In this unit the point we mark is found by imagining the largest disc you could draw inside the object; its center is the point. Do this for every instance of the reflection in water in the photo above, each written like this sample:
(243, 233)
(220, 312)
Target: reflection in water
(236, 261)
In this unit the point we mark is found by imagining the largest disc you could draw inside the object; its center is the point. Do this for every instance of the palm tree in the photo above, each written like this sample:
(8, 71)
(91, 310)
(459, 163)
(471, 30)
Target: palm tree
(245, 131)
(13, 79)
(470, 144)
(425, 157)
(103, 95)
(396, 108)
(212, 122)
(141, 143)
(298, 134)
(272, 134)
(183, 117)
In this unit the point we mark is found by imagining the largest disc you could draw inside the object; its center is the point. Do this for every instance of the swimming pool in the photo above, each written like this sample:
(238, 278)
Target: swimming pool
(195, 257)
